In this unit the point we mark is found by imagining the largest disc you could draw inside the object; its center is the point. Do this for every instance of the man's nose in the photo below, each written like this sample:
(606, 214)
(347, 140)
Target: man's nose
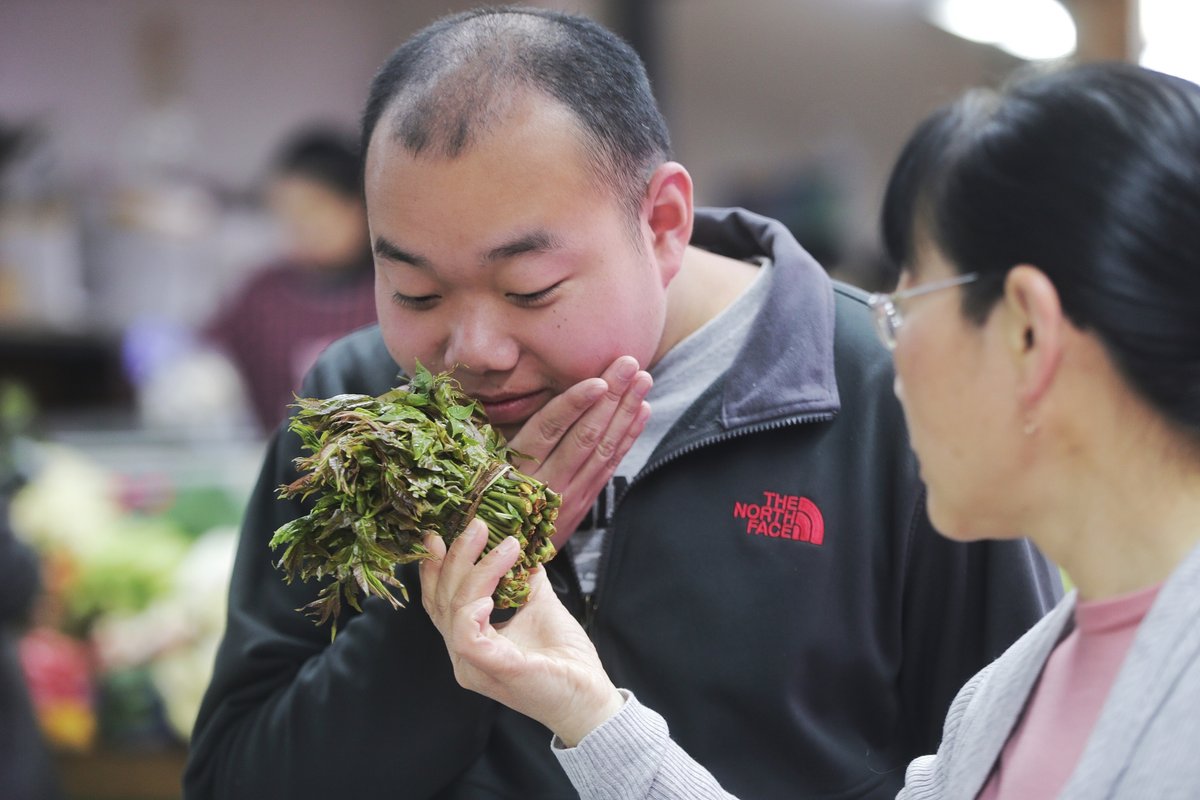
(481, 342)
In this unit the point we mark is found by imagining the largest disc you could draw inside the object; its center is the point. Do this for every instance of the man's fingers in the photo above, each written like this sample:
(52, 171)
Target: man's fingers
(624, 435)
(589, 430)
(598, 433)
(629, 406)
(582, 412)
(579, 470)
(546, 428)
(597, 428)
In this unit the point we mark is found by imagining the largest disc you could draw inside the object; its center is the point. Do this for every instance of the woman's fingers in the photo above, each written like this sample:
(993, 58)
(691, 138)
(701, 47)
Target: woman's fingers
(430, 570)
(453, 579)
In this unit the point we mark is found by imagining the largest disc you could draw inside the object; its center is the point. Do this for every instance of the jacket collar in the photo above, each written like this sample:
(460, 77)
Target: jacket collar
(786, 367)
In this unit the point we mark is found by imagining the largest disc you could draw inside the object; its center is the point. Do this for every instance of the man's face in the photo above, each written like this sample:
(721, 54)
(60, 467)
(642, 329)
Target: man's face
(509, 263)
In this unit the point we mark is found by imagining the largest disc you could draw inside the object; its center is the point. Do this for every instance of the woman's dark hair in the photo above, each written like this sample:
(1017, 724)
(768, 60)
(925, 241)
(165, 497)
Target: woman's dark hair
(1090, 173)
(325, 155)
(452, 80)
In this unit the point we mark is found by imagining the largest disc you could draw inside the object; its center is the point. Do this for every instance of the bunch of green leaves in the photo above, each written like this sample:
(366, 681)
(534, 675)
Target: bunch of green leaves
(388, 470)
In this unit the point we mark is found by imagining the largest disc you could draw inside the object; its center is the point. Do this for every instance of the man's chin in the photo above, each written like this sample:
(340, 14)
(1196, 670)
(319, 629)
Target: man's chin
(509, 415)
(510, 430)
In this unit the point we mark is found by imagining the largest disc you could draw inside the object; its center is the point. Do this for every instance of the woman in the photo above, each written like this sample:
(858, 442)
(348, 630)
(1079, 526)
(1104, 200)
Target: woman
(1047, 353)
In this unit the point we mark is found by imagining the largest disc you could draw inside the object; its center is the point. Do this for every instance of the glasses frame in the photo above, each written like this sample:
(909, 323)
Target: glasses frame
(889, 318)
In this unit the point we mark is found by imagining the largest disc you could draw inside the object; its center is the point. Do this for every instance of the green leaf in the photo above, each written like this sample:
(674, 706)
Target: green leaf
(461, 412)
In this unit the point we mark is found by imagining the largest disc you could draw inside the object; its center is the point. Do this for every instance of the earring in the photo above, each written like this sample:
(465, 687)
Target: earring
(1030, 427)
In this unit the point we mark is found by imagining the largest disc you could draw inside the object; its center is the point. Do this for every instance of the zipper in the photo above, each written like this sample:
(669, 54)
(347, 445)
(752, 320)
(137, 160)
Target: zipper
(589, 606)
(591, 602)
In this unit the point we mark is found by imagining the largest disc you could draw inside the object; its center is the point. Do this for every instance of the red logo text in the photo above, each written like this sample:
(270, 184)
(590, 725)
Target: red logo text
(783, 516)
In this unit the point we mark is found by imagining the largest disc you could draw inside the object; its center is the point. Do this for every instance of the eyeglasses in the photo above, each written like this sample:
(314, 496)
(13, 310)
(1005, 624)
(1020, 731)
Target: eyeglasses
(889, 318)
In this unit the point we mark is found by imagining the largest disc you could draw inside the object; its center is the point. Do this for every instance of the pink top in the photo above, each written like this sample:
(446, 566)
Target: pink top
(1044, 748)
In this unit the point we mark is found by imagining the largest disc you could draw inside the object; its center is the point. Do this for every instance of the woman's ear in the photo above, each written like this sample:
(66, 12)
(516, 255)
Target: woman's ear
(1034, 330)
(667, 214)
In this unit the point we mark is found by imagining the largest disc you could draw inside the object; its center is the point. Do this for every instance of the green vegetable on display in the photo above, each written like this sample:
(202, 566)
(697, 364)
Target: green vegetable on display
(388, 470)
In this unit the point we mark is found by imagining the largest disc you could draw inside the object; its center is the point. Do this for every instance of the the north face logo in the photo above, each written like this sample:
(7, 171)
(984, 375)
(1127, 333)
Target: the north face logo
(783, 516)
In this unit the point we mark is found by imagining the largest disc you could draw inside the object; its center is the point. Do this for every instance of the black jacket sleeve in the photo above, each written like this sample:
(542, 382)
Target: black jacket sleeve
(291, 714)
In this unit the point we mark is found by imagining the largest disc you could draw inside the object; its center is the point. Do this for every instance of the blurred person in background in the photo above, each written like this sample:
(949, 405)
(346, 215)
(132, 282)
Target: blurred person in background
(1047, 352)
(274, 327)
(26, 769)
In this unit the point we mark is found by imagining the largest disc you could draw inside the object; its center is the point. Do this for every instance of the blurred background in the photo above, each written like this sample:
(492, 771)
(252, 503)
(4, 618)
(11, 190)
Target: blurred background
(149, 185)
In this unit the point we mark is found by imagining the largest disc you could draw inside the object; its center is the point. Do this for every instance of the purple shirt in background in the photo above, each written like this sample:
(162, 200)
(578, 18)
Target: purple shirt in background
(274, 328)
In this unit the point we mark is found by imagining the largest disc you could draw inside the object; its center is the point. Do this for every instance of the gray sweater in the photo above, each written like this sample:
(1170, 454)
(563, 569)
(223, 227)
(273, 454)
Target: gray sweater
(1144, 745)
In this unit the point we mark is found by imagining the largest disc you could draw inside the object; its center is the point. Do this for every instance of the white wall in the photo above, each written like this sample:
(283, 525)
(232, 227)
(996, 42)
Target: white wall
(752, 89)
(756, 87)
(247, 72)
(746, 83)
(197, 92)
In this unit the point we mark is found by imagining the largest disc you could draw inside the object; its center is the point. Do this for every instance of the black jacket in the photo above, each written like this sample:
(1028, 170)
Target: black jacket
(770, 584)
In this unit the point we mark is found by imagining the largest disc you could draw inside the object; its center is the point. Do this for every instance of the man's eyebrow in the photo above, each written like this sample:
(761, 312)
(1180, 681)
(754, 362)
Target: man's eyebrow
(535, 242)
(388, 250)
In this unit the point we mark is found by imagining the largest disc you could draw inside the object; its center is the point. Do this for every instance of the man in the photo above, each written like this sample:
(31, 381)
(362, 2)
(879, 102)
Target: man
(756, 564)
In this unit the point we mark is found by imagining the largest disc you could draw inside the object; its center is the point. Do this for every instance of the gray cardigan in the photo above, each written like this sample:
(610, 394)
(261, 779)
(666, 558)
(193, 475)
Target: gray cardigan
(1146, 743)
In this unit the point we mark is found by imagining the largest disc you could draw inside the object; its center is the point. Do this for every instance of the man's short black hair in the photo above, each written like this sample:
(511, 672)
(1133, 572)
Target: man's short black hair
(452, 80)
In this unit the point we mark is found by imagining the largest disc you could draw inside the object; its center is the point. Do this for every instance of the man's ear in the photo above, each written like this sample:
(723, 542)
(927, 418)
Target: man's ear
(667, 213)
(1034, 330)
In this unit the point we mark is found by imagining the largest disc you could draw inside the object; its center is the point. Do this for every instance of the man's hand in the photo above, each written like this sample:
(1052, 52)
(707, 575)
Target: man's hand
(539, 663)
(576, 440)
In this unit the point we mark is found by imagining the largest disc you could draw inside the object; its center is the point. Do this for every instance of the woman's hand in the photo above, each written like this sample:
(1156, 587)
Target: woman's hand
(575, 442)
(539, 663)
